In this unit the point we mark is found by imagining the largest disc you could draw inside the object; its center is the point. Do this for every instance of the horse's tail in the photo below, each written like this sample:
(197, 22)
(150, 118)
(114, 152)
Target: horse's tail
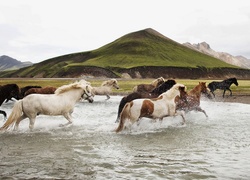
(120, 108)
(124, 115)
(13, 117)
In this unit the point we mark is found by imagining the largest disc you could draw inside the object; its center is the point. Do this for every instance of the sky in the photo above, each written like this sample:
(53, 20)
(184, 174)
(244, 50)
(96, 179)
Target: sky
(36, 30)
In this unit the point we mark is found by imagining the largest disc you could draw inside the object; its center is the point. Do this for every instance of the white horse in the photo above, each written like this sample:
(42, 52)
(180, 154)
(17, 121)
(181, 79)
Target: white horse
(106, 88)
(60, 103)
(158, 108)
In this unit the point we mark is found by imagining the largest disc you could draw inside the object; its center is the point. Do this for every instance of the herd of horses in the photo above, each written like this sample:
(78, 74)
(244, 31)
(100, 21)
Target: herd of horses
(156, 100)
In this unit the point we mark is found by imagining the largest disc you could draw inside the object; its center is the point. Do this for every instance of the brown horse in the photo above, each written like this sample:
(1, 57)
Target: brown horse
(191, 101)
(149, 87)
(46, 90)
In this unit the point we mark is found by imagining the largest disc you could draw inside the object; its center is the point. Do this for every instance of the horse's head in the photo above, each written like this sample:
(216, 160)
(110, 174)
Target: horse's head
(113, 83)
(14, 91)
(87, 94)
(204, 89)
(234, 80)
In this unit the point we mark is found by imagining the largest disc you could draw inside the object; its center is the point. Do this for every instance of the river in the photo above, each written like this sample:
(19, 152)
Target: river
(217, 147)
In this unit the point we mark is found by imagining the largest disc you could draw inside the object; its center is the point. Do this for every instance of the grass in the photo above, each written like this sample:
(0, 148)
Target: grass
(126, 85)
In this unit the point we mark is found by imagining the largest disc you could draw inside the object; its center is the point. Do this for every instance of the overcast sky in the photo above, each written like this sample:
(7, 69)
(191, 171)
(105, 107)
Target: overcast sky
(36, 30)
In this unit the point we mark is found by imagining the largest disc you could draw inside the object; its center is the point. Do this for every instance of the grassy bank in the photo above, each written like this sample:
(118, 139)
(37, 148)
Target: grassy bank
(126, 85)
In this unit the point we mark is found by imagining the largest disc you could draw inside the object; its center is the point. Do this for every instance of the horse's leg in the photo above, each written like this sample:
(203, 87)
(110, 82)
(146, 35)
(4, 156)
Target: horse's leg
(213, 93)
(68, 117)
(181, 113)
(18, 121)
(108, 97)
(224, 93)
(32, 122)
(230, 91)
(4, 114)
(201, 110)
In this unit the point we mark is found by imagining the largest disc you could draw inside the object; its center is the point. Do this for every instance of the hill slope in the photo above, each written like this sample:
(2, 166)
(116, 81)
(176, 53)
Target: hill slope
(8, 63)
(145, 48)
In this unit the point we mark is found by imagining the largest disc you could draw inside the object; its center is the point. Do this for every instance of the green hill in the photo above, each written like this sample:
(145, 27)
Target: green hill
(145, 48)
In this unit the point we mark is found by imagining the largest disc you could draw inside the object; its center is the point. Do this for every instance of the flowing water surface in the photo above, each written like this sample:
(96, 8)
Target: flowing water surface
(217, 147)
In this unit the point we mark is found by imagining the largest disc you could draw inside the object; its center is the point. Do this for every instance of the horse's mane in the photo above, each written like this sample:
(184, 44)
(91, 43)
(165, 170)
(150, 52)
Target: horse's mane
(75, 85)
(164, 87)
(109, 82)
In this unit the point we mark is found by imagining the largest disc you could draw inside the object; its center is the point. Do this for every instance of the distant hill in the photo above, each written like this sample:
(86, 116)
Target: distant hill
(141, 54)
(226, 57)
(8, 63)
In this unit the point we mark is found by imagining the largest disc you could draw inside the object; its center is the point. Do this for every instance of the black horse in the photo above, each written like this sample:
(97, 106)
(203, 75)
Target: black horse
(7, 92)
(223, 85)
(139, 95)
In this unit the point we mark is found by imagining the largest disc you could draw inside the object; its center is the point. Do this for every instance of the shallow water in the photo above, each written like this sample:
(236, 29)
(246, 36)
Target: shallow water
(213, 148)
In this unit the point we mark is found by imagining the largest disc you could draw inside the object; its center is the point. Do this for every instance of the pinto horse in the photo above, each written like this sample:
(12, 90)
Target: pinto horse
(60, 103)
(46, 90)
(149, 87)
(8, 91)
(106, 88)
(138, 95)
(157, 108)
(189, 101)
(223, 85)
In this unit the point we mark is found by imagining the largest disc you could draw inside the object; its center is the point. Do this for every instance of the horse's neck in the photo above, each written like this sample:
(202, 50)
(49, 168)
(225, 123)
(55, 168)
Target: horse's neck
(195, 92)
(72, 95)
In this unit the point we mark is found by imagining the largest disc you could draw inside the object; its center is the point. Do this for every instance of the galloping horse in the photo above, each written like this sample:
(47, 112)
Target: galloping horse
(138, 95)
(157, 108)
(191, 100)
(7, 92)
(60, 103)
(24, 89)
(149, 87)
(106, 88)
(223, 85)
(45, 90)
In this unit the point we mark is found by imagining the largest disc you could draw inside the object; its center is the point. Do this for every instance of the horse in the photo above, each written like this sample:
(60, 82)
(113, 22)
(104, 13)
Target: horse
(8, 91)
(157, 108)
(149, 87)
(24, 89)
(60, 103)
(223, 85)
(45, 90)
(138, 95)
(189, 101)
(106, 88)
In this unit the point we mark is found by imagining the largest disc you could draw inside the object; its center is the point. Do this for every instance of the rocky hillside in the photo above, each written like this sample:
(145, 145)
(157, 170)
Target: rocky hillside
(8, 63)
(226, 57)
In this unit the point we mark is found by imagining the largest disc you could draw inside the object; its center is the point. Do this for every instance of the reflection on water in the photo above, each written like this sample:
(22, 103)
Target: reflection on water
(213, 148)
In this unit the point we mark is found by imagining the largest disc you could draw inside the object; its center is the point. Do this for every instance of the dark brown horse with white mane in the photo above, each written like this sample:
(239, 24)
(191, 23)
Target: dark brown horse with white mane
(149, 87)
(138, 95)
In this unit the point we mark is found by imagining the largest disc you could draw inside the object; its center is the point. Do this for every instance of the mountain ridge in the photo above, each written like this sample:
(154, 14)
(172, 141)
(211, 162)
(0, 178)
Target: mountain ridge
(9, 63)
(131, 56)
(204, 47)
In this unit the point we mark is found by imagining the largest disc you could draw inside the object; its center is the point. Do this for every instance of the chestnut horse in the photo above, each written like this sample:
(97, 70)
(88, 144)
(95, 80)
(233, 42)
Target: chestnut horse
(191, 100)
(149, 87)
(157, 108)
(46, 90)
(138, 95)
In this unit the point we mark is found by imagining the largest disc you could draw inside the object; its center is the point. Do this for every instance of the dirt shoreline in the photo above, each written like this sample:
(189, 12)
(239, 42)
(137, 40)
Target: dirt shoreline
(245, 99)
